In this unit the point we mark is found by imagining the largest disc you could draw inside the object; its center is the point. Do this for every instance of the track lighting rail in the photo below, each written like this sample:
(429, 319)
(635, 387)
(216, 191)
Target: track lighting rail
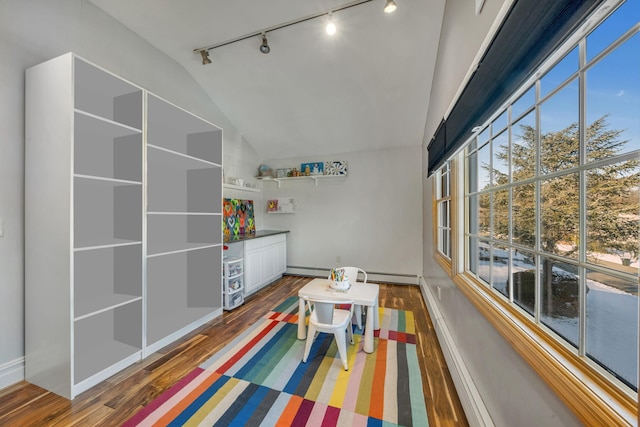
(264, 31)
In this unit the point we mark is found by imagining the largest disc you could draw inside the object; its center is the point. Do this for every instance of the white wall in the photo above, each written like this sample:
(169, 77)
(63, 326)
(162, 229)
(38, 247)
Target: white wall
(34, 31)
(371, 218)
(511, 391)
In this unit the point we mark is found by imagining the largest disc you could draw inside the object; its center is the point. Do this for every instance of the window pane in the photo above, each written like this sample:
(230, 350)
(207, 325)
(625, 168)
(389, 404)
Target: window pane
(445, 246)
(484, 261)
(524, 215)
(474, 210)
(484, 167)
(473, 255)
(613, 224)
(612, 324)
(523, 103)
(472, 172)
(613, 104)
(484, 217)
(559, 208)
(559, 307)
(444, 213)
(501, 214)
(559, 133)
(445, 183)
(500, 269)
(473, 144)
(483, 137)
(500, 123)
(559, 73)
(500, 171)
(613, 27)
(523, 147)
(523, 274)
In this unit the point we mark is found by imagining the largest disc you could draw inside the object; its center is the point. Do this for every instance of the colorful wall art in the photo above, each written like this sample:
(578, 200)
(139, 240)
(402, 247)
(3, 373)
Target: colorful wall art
(238, 217)
(336, 167)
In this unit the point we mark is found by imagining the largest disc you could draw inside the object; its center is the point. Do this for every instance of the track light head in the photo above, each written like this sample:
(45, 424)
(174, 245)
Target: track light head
(331, 26)
(390, 6)
(205, 57)
(264, 47)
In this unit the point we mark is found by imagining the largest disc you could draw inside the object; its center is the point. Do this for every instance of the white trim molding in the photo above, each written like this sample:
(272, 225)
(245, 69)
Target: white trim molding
(472, 403)
(11, 372)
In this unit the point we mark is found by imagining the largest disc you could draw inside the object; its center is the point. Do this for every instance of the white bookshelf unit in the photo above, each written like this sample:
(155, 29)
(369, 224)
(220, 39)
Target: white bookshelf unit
(103, 238)
(184, 213)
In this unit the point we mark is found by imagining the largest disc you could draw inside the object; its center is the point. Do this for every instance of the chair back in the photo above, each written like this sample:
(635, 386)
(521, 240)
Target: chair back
(322, 310)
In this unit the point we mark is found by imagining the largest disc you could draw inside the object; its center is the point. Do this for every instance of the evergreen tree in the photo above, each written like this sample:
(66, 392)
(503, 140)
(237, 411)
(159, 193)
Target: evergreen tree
(612, 204)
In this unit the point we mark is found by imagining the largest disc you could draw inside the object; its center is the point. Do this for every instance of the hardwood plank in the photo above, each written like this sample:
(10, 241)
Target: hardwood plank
(115, 400)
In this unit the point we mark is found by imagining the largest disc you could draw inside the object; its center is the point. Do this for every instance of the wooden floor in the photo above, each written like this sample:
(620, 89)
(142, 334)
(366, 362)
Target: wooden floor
(115, 400)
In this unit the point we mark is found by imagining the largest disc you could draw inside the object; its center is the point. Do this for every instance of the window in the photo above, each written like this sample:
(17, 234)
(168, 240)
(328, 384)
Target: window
(552, 199)
(443, 206)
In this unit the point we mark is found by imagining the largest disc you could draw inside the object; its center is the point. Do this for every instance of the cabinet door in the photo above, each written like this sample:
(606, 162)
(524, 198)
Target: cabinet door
(269, 256)
(253, 271)
(281, 258)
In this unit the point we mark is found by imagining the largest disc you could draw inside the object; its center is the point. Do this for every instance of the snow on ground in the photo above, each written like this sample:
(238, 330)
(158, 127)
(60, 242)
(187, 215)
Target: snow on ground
(612, 319)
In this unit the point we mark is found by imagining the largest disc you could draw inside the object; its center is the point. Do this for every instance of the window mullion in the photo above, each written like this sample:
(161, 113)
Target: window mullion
(538, 227)
(582, 236)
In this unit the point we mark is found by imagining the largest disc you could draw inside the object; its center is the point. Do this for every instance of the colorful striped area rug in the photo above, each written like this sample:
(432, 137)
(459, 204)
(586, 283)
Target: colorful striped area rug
(259, 380)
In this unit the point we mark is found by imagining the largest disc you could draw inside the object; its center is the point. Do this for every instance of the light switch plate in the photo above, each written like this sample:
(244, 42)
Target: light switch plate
(1, 228)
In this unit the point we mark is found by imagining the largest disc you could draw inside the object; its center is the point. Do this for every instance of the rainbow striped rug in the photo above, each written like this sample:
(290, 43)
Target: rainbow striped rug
(259, 380)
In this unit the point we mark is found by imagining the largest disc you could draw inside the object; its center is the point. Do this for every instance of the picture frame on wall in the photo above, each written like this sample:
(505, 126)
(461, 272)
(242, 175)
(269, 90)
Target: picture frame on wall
(336, 167)
(272, 205)
(315, 168)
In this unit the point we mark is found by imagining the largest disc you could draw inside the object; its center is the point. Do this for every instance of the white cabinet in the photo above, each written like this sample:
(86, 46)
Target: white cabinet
(265, 261)
(281, 258)
(106, 242)
(253, 269)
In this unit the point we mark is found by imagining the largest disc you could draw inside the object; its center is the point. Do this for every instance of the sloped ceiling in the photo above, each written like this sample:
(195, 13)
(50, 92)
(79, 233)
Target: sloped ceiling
(366, 87)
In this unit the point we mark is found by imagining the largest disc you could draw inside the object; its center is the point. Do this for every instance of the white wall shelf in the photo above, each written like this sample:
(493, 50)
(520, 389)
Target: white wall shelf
(241, 188)
(314, 178)
(286, 205)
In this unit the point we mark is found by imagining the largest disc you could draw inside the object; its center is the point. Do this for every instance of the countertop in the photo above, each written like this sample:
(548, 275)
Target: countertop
(258, 234)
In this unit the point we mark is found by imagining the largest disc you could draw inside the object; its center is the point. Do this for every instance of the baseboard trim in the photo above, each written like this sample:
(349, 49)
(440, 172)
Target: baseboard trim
(11, 372)
(373, 277)
(472, 403)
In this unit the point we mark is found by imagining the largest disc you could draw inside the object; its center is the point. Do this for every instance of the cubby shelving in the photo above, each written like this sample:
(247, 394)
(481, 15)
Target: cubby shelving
(84, 239)
(106, 240)
(184, 213)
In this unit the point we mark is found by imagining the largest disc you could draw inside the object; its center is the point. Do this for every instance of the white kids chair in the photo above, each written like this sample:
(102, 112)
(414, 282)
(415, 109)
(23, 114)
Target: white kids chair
(352, 274)
(325, 317)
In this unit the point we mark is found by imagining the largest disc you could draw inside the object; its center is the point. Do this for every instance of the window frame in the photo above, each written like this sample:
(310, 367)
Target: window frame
(442, 198)
(582, 384)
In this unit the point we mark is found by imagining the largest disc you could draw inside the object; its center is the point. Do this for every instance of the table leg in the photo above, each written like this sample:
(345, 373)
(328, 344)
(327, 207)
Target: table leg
(376, 315)
(368, 331)
(302, 328)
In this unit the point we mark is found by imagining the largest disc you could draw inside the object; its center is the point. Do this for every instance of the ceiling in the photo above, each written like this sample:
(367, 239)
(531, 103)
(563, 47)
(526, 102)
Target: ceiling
(367, 87)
